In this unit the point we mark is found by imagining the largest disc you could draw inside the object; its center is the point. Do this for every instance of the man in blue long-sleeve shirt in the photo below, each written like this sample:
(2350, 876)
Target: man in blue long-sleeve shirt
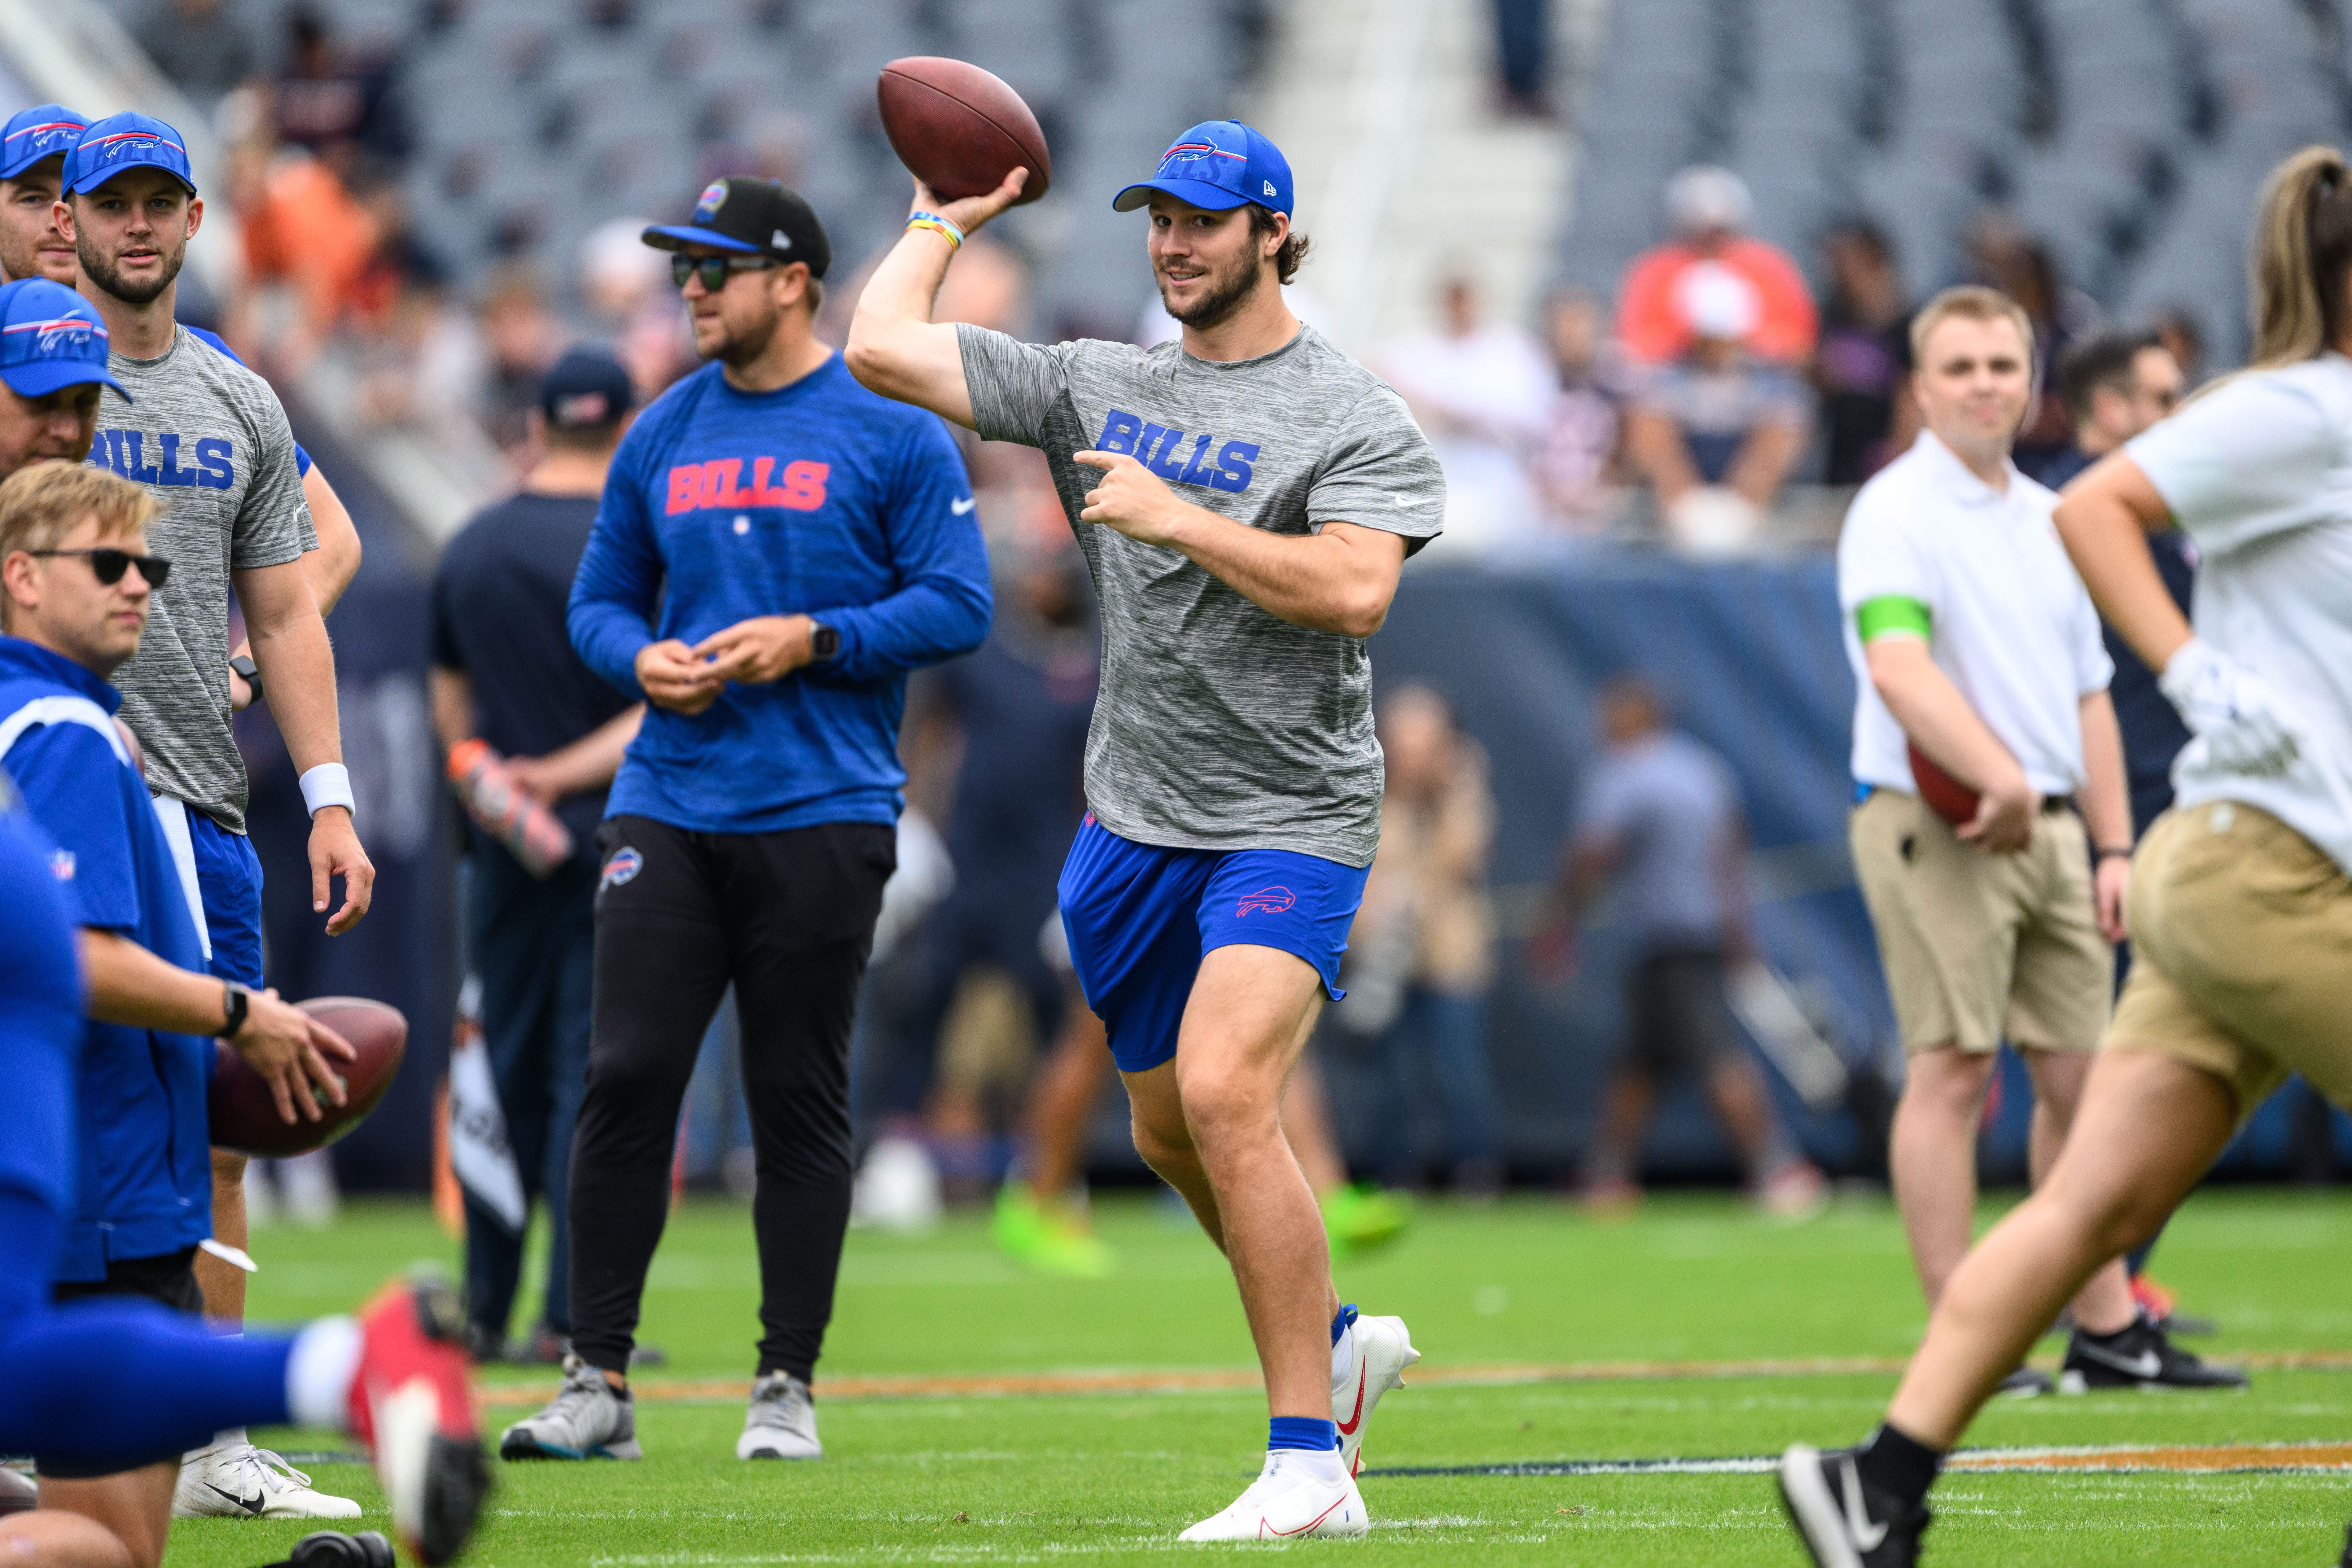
(776, 548)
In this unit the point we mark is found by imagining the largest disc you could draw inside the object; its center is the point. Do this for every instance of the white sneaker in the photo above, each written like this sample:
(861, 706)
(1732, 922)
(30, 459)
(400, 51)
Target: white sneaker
(781, 1422)
(1287, 1502)
(234, 1480)
(1383, 1350)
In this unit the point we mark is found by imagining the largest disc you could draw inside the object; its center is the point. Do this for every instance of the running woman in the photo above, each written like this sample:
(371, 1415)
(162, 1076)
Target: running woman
(1245, 497)
(2241, 904)
(209, 439)
(776, 550)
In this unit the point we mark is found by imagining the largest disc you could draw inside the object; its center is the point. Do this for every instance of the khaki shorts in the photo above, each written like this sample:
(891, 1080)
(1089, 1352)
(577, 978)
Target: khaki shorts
(1981, 948)
(2242, 953)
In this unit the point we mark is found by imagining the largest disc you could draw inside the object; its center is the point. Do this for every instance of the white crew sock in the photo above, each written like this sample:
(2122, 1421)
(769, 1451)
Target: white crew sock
(318, 1373)
(1343, 1356)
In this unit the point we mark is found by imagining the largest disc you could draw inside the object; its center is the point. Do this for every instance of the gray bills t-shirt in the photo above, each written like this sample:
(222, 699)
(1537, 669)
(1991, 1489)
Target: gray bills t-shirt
(209, 440)
(1219, 725)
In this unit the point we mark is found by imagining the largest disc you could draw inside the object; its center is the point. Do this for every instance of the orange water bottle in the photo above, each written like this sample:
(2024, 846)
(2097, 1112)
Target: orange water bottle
(505, 811)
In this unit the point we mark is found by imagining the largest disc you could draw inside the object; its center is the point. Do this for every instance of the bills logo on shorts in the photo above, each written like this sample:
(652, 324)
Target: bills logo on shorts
(621, 868)
(1272, 900)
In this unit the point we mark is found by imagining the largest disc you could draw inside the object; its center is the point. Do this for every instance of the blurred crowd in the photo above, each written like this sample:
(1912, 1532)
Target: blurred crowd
(1716, 378)
(1723, 371)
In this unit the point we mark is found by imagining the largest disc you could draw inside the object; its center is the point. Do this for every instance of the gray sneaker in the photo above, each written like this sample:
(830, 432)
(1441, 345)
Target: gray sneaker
(782, 1421)
(586, 1420)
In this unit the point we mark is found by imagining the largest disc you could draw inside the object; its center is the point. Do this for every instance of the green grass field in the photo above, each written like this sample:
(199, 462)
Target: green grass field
(1112, 1476)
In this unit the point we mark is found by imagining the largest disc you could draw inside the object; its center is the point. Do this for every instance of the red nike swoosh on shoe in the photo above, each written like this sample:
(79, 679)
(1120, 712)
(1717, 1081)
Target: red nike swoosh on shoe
(1348, 1428)
(1262, 1529)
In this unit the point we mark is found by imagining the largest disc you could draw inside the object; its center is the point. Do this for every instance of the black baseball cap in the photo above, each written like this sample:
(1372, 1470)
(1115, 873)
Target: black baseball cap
(752, 217)
(588, 386)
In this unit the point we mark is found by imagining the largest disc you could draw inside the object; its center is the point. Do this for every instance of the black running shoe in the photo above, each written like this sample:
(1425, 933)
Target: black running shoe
(2141, 1356)
(2025, 1382)
(1840, 1523)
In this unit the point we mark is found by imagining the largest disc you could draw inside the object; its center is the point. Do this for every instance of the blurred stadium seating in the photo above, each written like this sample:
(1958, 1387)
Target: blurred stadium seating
(533, 121)
(2129, 135)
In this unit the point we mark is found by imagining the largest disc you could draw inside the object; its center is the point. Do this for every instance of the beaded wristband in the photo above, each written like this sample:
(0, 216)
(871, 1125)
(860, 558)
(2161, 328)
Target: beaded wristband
(939, 225)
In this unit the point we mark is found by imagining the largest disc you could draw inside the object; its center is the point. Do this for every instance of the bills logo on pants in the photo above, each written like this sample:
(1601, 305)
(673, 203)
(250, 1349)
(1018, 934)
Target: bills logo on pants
(1272, 900)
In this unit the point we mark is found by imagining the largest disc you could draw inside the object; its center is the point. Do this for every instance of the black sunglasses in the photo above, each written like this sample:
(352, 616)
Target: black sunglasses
(715, 269)
(109, 565)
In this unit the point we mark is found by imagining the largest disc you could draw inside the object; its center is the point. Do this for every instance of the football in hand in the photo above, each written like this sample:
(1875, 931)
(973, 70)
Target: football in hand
(1947, 796)
(960, 130)
(244, 1117)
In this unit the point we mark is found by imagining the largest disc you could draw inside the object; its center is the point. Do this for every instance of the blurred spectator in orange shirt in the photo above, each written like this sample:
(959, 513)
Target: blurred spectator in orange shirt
(1706, 207)
(303, 230)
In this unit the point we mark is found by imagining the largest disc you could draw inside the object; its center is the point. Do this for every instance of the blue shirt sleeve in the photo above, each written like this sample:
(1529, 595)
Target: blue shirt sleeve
(942, 606)
(71, 782)
(620, 578)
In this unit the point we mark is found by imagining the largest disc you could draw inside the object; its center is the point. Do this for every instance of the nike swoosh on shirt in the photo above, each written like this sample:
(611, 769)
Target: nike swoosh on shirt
(963, 506)
(2146, 1364)
(253, 1504)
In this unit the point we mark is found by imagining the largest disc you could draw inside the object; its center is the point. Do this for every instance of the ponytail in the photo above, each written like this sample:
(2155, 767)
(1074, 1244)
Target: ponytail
(2302, 259)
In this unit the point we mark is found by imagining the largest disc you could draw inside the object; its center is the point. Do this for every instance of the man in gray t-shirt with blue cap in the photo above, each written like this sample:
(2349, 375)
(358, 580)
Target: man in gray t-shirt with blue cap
(1246, 497)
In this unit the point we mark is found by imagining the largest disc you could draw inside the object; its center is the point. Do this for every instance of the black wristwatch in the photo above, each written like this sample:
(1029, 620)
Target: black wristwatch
(825, 642)
(234, 1004)
(2112, 852)
(243, 664)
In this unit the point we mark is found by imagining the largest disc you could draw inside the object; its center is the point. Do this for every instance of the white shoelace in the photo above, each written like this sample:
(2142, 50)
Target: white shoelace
(263, 1461)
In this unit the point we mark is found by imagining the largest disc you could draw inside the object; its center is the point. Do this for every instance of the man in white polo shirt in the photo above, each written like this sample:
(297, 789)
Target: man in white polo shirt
(1974, 644)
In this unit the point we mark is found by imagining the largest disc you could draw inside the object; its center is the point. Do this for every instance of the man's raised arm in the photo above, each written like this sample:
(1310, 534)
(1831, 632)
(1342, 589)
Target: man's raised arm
(894, 348)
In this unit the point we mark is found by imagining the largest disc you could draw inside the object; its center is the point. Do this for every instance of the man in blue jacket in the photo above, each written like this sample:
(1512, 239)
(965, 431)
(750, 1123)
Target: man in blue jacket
(105, 1180)
(804, 544)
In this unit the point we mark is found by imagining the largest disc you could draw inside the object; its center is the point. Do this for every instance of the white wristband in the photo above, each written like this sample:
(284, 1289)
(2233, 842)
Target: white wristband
(329, 784)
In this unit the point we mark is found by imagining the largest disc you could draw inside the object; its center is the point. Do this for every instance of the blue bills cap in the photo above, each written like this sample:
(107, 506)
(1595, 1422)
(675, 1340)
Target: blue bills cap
(1217, 164)
(123, 141)
(50, 338)
(37, 133)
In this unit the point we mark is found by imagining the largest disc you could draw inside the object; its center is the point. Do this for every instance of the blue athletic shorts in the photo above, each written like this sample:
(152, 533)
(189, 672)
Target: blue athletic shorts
(1140, 917)
(228, 874)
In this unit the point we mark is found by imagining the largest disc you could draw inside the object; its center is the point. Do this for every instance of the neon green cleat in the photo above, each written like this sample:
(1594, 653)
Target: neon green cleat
(1362, 1219)
(1046, 1237)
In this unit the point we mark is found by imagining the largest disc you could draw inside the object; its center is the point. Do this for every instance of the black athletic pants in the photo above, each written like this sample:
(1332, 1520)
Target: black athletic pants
(789, 918)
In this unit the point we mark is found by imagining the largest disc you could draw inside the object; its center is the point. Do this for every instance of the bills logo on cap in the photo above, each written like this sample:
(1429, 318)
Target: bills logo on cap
(64, 332)
(707, 205)
(622, 868)
(583, 408)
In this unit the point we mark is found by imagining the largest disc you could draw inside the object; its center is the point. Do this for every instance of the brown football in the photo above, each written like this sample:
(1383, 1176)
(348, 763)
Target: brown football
(245, 1117)
(1947, 796)
(960, 130)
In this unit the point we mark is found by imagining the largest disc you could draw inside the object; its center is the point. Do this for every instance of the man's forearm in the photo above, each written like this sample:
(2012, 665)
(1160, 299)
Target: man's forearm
(592, 760)
(130, 986)
(2106, 798)
(336, 561)
(298, 670)
(1935, 717)
(893, 346)
(1326, 582)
